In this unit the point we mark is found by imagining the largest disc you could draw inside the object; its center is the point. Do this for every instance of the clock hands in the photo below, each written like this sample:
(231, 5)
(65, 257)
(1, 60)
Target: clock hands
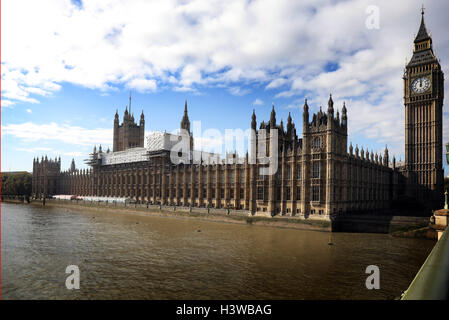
(420, 85)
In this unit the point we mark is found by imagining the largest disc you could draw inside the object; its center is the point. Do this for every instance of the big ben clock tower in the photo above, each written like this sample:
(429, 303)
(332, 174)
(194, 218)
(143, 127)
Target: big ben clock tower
(423, 100)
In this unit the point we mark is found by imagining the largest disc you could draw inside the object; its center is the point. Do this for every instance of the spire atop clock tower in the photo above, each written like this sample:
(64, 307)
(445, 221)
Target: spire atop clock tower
(422, 33)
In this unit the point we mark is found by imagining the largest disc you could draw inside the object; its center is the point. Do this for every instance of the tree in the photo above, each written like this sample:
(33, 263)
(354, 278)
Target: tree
(16, 183)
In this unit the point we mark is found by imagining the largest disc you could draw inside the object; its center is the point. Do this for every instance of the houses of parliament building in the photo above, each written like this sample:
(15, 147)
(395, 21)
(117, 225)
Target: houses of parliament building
(318, 174)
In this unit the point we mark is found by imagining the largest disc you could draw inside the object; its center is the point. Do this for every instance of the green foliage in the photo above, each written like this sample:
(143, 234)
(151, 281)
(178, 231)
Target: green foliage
(17, 183)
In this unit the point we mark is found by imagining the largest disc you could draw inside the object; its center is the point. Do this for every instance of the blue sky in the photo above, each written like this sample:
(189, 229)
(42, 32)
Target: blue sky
(72, 64)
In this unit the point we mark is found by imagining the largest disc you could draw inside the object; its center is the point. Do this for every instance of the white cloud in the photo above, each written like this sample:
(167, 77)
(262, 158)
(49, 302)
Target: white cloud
(238, 91)
(276, 83)
(7, 103)
(257, 102)
(30, 132)
(281, 45)
(74, 154)
(29, 111)
(34, 150)
(142, 85)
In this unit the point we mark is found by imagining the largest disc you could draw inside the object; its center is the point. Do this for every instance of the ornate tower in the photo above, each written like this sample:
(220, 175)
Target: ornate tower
(128, 134)
(185, 125)
(142, 130)
(185, 122)
(423, 100)
(116, 132)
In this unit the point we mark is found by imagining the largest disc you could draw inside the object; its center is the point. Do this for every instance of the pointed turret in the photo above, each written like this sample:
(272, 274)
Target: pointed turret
(72, 166)
(142, 118)
(185, 122)
(253, 120)
(305, 116)
(273, 118)
(330, 106)
(350, 148)
(126, 114)
(344, 116)
(289, 125)
(385, 156)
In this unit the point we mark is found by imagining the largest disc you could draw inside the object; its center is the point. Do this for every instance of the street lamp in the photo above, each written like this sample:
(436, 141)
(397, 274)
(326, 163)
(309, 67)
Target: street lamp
(447, 153)
(446, 206)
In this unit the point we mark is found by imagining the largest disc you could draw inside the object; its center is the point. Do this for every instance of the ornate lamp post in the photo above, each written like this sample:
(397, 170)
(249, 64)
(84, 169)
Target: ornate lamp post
(445, 200)
(446, 206)
(447, 152)
(440, 218)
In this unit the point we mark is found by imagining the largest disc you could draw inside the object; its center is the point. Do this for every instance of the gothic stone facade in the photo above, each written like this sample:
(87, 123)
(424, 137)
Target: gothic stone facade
(318, 175)
(128, 134)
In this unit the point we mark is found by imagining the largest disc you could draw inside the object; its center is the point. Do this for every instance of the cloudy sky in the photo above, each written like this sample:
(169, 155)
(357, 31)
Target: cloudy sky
(66, 66)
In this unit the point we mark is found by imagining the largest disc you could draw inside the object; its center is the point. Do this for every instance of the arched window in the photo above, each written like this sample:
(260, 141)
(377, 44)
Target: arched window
(315, 193)
(317, 143)
(287, 172)
(316, 170)
(259, 193)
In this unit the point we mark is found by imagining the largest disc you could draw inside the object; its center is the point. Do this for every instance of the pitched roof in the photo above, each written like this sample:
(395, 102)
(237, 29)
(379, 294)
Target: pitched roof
(422, 33)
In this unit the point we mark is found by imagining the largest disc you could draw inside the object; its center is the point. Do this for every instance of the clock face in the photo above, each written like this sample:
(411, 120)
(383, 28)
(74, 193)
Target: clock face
(420, 85)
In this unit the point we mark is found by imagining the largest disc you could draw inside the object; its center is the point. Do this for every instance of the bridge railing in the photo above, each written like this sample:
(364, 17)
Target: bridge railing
(432, 280)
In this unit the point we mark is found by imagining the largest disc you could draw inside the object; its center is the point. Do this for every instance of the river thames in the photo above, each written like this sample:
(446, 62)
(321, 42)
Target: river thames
(127, 256)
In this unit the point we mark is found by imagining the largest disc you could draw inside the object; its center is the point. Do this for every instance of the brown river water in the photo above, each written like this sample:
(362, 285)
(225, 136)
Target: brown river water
(128, 256)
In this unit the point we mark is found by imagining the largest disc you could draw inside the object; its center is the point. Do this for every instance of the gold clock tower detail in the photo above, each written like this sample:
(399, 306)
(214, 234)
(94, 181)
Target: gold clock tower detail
(423, 100)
